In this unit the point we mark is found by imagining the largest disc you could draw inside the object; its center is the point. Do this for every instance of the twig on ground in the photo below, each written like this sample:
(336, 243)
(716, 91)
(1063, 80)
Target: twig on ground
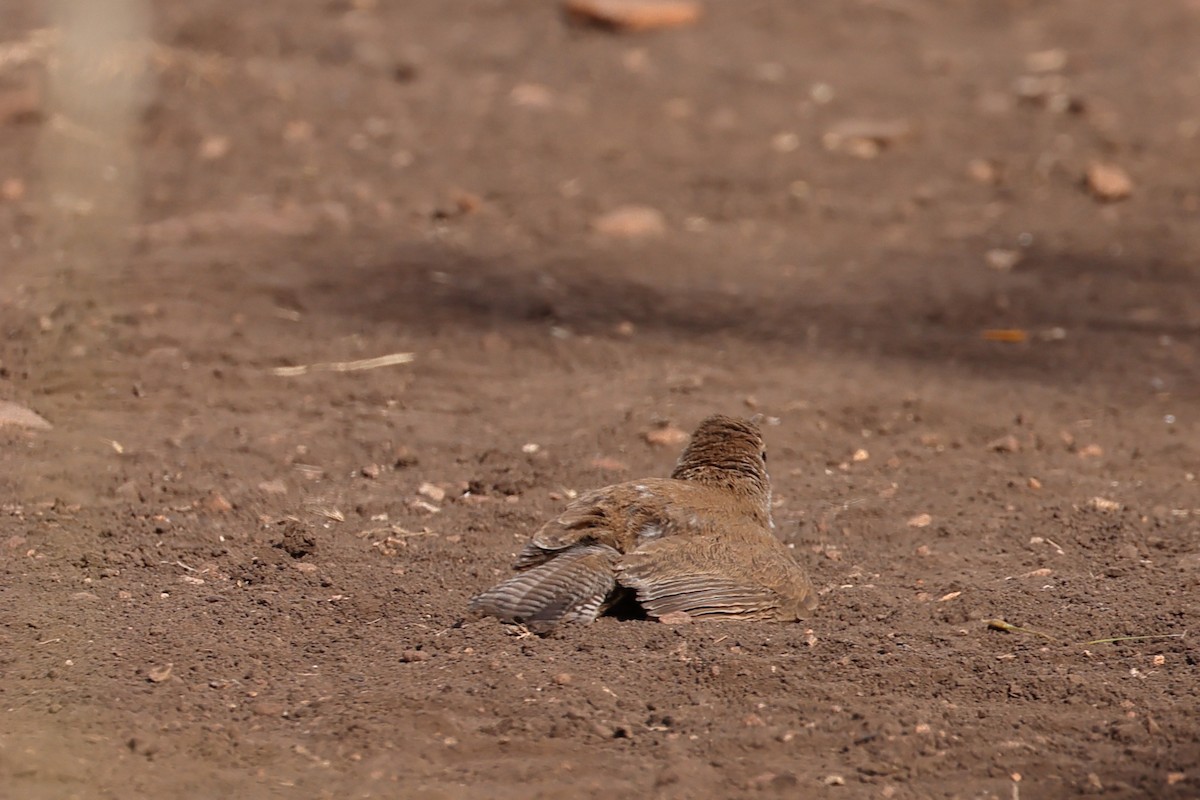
(345, 366)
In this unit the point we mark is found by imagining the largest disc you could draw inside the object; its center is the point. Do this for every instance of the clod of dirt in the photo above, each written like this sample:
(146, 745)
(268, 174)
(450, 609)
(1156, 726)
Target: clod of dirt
(20, 104)
(1005, 444)
(403, 458)
(1053, 60)
(214, 148)
(632, 15)
(666, 436)
(631, 222)
(216, 503)
(531, 95)
(1105, 505)
(414, 656)
(297, 542)
(864, 138)
(1108, 182)
(609, 464)
(13, 414)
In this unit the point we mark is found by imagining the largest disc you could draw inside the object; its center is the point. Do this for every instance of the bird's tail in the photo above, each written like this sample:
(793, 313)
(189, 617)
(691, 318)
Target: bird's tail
(571, 586)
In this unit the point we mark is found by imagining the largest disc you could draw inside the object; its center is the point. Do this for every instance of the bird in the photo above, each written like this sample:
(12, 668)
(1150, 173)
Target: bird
(695, 546)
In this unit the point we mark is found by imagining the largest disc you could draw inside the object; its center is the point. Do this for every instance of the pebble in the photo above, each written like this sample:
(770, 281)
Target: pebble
(1108, 182)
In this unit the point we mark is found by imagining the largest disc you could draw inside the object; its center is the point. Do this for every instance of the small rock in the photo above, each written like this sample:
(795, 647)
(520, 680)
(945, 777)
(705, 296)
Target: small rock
(1035, 484)
(1053, 60)
(128, 491)
(1005, 444)
(305, 567)
(12, 189)
(833, 780)
(160, 674)
(983, 171)
(562, 678)
(20, 104)
(632, 15)
(1002, 260)
(1091, 451)
(866, 138)
(1105, 505)
(631, 222)
(414, 656)
(665, 436)
(1108, 182)
(371, 471)
(298, 130)
(13, 414)
(434, 492)
(267, 709)
(920, 521)
(531, 95)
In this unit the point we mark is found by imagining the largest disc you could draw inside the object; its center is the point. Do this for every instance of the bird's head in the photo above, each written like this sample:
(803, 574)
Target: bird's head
(730, 453)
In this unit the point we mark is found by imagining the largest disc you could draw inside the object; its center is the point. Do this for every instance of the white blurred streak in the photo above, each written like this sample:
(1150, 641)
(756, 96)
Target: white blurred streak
(98, 81)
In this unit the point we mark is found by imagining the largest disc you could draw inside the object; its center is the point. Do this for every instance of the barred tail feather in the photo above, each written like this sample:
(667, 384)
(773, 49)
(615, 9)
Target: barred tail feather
(571, 586)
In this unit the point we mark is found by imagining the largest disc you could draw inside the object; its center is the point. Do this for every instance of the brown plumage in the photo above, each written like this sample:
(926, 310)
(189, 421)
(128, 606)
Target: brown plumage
(698, 542)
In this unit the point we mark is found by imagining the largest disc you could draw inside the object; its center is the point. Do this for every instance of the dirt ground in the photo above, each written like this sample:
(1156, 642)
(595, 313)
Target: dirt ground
(869, 221)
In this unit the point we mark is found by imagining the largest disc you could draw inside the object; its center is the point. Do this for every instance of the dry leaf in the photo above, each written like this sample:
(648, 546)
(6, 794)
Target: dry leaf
(633, 15)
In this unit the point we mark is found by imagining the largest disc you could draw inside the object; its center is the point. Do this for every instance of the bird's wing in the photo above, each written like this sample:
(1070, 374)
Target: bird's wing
(573, 586)
(736, 572)
(621, 516)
